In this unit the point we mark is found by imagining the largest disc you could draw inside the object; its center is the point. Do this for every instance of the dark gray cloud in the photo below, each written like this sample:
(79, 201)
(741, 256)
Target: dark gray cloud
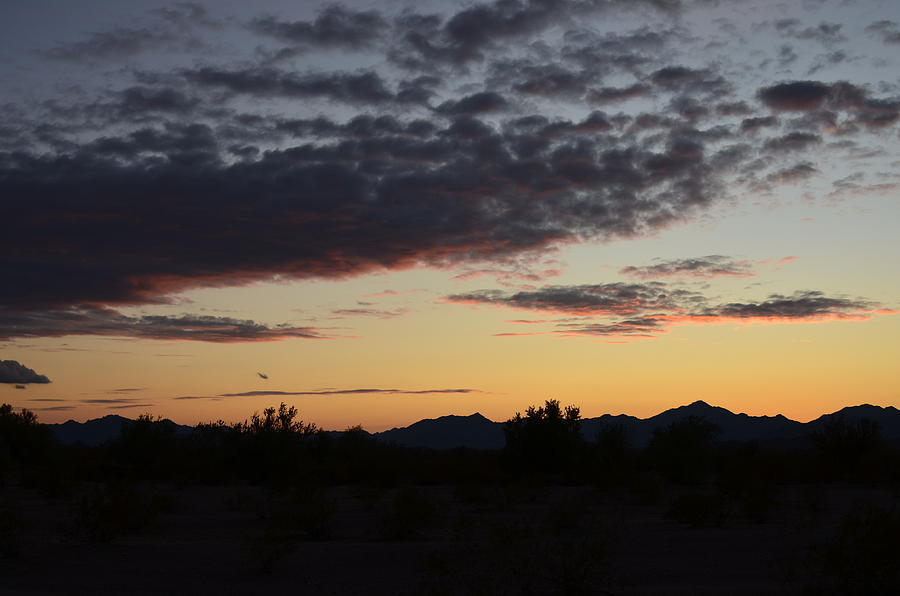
(599, 299)
(605, 95)
(853, 101)
(704, 267)
(103, 321)
(114, 44)
(630, 311)
(156, 210)
(171, 28)
(793, 174)
(795, 95)
(794, 141)
(423, 41)
(176, 180)
(334, 27)
(354, 88)
(477, 103)
(754, 124)
(13, 372)
(888, 31)
(825, 33)
(380, 313)
(808, 304)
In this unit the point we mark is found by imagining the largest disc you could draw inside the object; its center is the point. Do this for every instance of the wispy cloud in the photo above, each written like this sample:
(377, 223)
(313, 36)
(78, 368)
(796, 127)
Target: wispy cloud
(326, 392)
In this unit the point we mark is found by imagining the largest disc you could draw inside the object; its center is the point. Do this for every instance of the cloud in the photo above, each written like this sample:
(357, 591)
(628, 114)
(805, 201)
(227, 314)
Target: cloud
(795, 95)
(380, 313)
(794, 141)
(825, 33)
(465, 37)
(631, 311)
(446, 148)
(171, 28)
(796, 173)
(13, 372)
(337, 392)
(334, 27)
(598, 299)
(803, 305)
(754, 124)
(702, 267)
(157, 212)
(889, 31)
(114, 44)
(103, 321)
(606, 95)
(352, 88)
(108, 401)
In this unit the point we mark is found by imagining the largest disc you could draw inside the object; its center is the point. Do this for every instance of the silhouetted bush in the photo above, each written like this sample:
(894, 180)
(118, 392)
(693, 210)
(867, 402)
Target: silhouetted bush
(25, 444)
(566, 552)
(849, 450)
(412, 511)
(107, 512)
(860, 557)
(699, 509)
(12, 530)
(546, 441)
(683, 450)
(614, 459)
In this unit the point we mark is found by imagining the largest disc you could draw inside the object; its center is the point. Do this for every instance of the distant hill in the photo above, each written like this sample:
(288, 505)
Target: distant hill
(447, 432)
(477, 432)
(97, 431)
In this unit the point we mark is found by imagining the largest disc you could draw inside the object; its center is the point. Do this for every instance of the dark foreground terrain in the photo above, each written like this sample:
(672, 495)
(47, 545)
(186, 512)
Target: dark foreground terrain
(436, 540)
(273, 505)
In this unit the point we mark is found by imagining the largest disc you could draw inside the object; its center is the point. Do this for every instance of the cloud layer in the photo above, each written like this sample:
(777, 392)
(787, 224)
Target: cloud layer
(475, 136)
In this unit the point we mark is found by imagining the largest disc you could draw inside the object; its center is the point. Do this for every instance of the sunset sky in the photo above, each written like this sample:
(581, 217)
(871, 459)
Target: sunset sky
(386, 211)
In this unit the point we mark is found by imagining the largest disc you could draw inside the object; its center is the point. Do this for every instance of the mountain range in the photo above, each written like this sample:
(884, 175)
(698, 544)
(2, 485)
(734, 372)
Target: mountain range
(477, 432)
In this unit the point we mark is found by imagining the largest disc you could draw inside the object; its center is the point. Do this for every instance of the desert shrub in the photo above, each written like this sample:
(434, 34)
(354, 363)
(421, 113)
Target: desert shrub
(699, 509)
(301, 513)
(411, 512)
(646, 489)
(546, 441)
(849, 450)
(859, 557)
(683, 450)
(613, 454)
(297, 514)
(109, 511)
(25, 444)
(564, 553)
(12, 530)
(272, 446)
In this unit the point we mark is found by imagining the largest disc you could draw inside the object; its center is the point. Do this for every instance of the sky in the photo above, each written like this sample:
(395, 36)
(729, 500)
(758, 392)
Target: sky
(385, 211)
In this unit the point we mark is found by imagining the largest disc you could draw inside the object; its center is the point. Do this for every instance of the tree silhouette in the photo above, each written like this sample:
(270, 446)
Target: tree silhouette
(683, 450)
(546, 440)
(845, 447)
(274, 443)
(24, 442)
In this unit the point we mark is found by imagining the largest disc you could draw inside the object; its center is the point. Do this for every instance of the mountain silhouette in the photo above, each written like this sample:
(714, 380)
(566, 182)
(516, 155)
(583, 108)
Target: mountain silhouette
(98, 430)
(477, 432)
(448, 432)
